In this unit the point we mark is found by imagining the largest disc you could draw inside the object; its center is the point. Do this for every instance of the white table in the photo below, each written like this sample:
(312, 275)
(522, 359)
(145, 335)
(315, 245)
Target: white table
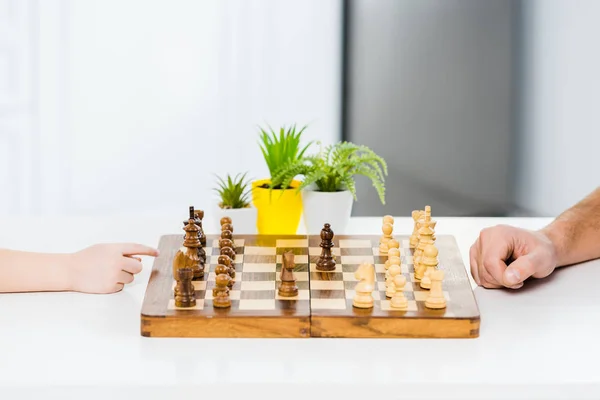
(539, 342)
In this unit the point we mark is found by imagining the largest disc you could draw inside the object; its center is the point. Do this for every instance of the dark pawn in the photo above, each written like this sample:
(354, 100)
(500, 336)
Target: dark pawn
(229, 236)
(199, 216)
(227, 227)
(288, 286)
(326, 261)
(226, 261)
(221, 292)
(228, 251)
(185, 295)
(225, 243)
(223, 269)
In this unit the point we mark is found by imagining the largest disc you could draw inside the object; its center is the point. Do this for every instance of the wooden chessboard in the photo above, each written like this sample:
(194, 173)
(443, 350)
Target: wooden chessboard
(323, 307)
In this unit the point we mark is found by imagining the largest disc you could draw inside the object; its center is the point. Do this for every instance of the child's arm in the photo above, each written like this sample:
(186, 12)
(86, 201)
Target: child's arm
(102, 268)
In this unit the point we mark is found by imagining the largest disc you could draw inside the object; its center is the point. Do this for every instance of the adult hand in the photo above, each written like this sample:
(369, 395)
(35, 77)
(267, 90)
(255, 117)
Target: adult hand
(505, 256)
(106, 268)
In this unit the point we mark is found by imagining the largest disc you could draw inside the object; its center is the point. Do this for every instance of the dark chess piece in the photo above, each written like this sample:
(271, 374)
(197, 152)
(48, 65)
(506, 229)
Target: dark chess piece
(193, 250)
(227, 234)
(225, 220)
(221, 297)
(223, 269)
(226, 243)
(227, 227)
(199, 216)
(288, 287)
(185, 295)
(226, 261)
(228, 251)
(326, 261)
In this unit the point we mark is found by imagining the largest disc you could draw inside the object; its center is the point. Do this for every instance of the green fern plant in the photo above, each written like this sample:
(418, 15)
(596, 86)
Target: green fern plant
(233, 192)
(281, 148)
(334, 168)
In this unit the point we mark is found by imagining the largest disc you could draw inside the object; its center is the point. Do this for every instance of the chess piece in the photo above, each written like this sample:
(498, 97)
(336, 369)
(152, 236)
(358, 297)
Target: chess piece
(222, 269)
(365, 274)
(393, 244)
(199, 216)
(387, 236)
(393, 261)
(227, 227)
(393, 252)
(288, 286)
(185, 295)
(399, 301)
(388, 219)
(430, 261)
(228, 251)
(436, 299)
(227, 234)
(432, 224)
(326, 261)
(221, 297)
(414, 238)
(226, 261)
(394, 270)
(425, 234)
(189, 255)
(225, 220)
(226, 243)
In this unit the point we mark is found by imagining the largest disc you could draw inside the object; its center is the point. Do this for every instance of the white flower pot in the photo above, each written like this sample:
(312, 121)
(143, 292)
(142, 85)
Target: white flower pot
(243, 219)
(334, 208)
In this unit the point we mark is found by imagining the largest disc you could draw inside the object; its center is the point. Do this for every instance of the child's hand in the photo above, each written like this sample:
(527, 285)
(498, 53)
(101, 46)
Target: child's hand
(106, 268)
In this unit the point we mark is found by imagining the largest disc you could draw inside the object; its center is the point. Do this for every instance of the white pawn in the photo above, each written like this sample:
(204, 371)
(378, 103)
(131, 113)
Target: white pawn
(387, 229)
(394, 271)
(393, 252)
(430, 261)
(436, 299)
(399, 301)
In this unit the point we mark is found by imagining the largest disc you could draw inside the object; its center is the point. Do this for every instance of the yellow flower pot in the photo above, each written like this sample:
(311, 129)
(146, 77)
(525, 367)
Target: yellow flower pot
(279, 211)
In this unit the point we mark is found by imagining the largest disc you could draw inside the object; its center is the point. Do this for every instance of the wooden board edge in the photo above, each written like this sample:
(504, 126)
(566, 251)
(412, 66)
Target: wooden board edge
(415, 328)
(255, 327)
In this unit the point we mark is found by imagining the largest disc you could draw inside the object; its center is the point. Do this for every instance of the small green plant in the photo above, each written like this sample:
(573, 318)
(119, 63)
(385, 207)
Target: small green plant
(281, 149)
(334, 168)
(234, 192)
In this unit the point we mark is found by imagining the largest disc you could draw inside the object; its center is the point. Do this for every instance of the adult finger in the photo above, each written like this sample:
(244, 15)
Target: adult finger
(118, 287)
(519, 270)
(473, 262)
(131, 265)
(135, 258)
(129, 249)
(125, 277)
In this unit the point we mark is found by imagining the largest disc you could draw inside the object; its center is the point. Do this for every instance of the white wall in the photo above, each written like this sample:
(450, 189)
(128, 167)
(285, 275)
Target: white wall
(559, 152)
(142, 101)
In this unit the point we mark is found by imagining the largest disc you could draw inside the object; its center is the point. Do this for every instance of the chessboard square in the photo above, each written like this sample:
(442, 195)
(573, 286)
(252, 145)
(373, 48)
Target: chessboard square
(316, 251)
(405, 243)
(380, 259)
(259, 259)
(239, 259)
(211, 276)
(404, 269)
(249, 267)
(327, 294)
(355, 251)
(298, 259)
(380, 277)
(380, 268)
(257, 304)
(291, 243)
(302, 295)
(199, 305)
(412, 305)
(349, 277)
(300, 276)
(258, 276)
(328, 304)
(381, 286)
(326, 276)
(355, 243)
(258, 285)
(350, 285)
(357, 259)
(313, 268)
(408, 260)
(258, 250)
(327, 285)
(239, 243)
(258, 294)
(350, 268)
(421, 295)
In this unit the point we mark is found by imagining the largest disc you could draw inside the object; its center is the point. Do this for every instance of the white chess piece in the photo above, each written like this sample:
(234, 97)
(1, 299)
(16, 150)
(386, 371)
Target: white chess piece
(394, 271)
(436, 299)
(399, 301)
(430, 261)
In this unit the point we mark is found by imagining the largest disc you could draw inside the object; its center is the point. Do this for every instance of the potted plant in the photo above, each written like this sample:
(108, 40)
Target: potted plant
(328, 188)
(234, 202)
(279, 206)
